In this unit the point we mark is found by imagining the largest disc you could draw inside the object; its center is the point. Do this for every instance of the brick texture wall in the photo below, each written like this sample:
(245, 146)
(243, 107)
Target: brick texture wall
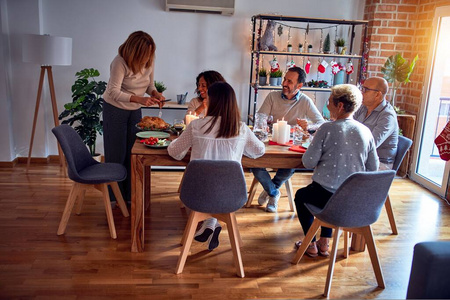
(403, 26)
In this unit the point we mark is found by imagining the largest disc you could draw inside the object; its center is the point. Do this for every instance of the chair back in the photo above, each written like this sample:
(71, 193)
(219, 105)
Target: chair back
(75, 151)
(358, 201)
(402, 147)
(214, 186)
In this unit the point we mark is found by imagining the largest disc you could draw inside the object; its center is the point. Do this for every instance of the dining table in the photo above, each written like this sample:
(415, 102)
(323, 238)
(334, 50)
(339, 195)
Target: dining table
(143, 158)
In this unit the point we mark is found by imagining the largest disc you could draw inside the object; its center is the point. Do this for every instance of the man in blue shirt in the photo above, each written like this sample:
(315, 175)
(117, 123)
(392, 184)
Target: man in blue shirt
(380, 117)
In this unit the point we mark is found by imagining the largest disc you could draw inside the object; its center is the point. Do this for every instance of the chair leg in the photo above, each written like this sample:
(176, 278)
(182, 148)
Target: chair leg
(252, 192)
(74, 192)
(372, 248)
(233, 233)
(306, 241)
(346, 244)
(179, 190)
(119, 198)
(290, 194)
(337, 234)
(109, 215)
(391, 217)
(194, 218)
(80, 201)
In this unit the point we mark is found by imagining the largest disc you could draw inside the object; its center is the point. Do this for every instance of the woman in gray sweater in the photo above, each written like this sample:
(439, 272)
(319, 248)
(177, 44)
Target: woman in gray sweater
(339, 149)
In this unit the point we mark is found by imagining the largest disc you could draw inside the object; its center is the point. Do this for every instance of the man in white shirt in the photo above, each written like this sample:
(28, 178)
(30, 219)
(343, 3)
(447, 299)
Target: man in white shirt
(296, 108)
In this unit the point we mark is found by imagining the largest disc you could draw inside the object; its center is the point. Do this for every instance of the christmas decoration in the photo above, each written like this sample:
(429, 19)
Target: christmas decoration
(322, 67)
(349, 68)
(307, 67)
(335, 67)
(319, 84)
(290, 64)
(267, 40)
(327, 44)
(443, 143)
(274, 66)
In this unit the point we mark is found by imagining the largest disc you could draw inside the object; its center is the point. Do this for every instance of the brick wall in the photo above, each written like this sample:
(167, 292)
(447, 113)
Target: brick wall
(403, 26)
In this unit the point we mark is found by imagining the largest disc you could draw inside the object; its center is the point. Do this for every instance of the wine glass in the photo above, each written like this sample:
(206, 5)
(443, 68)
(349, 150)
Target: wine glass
(178, 125)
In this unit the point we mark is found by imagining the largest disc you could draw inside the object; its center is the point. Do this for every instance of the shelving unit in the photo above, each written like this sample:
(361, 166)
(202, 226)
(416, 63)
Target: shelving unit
(257, 21)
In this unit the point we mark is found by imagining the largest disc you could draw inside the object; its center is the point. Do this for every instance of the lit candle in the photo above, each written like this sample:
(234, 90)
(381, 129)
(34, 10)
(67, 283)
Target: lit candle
(283, 132)
(190, 118)
(274, 132)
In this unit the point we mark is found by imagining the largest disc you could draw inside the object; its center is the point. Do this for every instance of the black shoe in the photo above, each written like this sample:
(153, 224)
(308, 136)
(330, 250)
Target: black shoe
(214, 238)
(206, 230)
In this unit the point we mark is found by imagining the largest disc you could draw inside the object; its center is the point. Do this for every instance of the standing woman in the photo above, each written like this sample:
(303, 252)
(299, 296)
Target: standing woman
(219, 136)
(199, 105)
(131, 77)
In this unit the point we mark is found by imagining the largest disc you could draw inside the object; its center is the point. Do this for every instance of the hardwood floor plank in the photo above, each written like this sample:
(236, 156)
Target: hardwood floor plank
(86, 263)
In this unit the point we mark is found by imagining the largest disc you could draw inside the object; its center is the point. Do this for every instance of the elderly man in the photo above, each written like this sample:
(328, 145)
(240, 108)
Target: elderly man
(296, 108)
(379, 115)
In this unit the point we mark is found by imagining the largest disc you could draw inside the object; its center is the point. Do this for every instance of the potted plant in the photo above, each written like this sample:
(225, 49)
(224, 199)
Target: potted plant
(289, 47)
(309, 48)
(273, 80)
(339, 43)
(300, 47)
(278, 75)
(327, 44)
(160, 87)
(86, 107)
(262, 76)
(397, 70)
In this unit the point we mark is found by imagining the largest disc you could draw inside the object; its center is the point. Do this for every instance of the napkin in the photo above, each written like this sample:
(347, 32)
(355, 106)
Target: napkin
(298, 148)
(287, 144)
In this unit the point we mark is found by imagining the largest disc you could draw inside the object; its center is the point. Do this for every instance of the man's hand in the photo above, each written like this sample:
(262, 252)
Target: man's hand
(303, 123)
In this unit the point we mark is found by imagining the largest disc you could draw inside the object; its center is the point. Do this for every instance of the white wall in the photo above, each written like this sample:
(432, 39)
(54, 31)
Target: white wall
(187, 43)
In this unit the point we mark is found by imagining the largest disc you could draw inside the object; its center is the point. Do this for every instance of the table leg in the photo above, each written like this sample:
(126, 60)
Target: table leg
(147, 185)
(137, 205)
(358, 242)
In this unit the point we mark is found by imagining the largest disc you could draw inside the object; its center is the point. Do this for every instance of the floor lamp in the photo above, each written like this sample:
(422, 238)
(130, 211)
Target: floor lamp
(46, 51)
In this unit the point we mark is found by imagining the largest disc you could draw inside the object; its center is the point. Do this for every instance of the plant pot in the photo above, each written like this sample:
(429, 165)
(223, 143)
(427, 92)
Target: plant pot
(300, 49)
(279, 81)
(262, 80)
(273, 81)
(339, 77)
(309, 50)
(289, 49)
(339, 49)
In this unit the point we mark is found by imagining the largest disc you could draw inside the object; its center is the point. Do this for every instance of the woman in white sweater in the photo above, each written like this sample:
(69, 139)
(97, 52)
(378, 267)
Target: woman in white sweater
(219, 136)
(131, 77)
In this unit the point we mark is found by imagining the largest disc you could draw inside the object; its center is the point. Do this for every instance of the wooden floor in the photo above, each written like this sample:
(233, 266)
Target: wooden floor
(87, 263)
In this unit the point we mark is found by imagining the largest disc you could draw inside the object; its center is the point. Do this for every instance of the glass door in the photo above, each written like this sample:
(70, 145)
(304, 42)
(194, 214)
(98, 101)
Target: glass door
(429, 169)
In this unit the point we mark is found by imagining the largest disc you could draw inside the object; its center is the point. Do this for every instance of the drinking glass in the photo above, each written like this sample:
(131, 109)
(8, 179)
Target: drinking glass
(178, 125)
(260, 126)
(297, 135)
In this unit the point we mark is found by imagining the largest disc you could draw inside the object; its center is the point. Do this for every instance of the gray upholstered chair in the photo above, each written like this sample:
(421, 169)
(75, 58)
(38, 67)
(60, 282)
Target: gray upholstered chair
(402, 147)
(213, 188)
(87, 172)
(353, 207)
(430, 272)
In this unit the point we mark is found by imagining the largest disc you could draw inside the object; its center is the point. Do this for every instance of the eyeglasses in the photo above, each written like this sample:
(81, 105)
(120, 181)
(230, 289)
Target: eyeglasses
(364, 89)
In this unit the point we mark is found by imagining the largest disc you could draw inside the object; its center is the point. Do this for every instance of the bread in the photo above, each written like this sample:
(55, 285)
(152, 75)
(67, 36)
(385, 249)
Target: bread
(152, 123)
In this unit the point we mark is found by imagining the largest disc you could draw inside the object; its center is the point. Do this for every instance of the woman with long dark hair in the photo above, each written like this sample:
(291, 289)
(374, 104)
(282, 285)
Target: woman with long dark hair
(221, 135)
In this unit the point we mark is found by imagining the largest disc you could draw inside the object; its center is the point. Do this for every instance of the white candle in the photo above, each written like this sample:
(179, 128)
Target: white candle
(275, 132)
(190, 118)
(288, 132)
(283, 132)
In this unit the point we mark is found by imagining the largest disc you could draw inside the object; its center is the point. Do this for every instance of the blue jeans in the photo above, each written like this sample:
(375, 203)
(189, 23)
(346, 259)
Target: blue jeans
(270, 185)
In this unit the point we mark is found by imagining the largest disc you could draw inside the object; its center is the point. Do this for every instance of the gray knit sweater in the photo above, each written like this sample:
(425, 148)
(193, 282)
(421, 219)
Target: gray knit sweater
(339, 149)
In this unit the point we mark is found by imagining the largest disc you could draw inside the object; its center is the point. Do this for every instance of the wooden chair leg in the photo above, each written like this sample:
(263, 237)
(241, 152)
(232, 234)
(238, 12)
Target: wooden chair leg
(290, 194)
(179, 190)
(252, 192)
(194, 218)
(306, 241)
(233, 233)
(80, 201)
(109, 215)
(372, 248)
(337, 234)
(119, 198)
(391, 217)
(346, 244)
(74, 191)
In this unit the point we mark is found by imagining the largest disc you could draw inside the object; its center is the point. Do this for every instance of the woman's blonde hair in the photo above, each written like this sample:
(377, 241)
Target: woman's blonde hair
(348, 94)
(138, 51)
(223, 104)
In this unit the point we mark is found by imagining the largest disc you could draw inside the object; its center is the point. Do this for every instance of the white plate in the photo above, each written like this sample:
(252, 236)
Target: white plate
(166, 143)
(157, 134)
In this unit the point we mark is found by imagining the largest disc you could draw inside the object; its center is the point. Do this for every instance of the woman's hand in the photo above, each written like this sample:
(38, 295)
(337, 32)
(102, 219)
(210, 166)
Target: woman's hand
(159, 97)
(146, 101)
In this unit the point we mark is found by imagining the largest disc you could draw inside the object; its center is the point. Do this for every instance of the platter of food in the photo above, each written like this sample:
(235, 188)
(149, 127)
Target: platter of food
(148, 123)
(154, 142)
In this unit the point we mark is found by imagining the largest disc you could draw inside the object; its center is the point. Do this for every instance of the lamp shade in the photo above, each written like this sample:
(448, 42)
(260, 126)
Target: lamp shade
(47, 50)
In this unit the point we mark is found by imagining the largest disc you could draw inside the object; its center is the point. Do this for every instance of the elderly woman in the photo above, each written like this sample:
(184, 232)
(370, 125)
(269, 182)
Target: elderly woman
(340, 148)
